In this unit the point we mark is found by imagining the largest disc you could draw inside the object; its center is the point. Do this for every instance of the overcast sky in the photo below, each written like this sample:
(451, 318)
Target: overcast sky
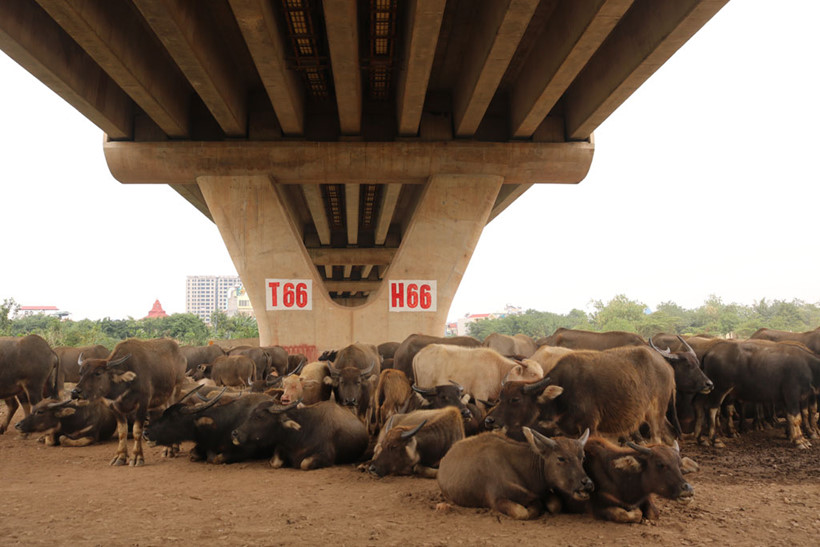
(705, 181)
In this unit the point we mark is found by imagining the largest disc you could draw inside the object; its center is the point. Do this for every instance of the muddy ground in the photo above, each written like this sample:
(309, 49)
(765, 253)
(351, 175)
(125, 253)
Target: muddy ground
(756, 491)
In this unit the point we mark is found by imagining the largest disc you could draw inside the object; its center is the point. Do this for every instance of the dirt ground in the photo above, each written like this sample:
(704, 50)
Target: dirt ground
(756, 491)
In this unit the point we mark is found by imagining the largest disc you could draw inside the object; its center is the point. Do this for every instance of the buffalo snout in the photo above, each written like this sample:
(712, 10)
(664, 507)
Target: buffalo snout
(687, 491)
(708, 387)
(76, 393)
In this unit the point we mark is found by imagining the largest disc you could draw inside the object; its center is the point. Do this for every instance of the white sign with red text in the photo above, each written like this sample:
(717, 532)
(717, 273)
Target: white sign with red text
(289, 294)
(413, 295)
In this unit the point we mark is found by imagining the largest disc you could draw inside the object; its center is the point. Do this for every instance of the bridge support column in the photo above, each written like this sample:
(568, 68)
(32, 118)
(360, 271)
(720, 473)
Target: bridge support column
(265, 243)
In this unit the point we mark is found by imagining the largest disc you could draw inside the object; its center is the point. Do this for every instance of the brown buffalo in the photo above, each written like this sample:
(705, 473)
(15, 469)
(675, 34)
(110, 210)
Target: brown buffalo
(519, 345)
(233, 370)
(353, 375)
(584, 339)
(511, 477)
(138, 377)
(810, 339)
(414, 443)
(194, 355)
(70, 424)
(26, 364)
(393, 395)
(69, 369)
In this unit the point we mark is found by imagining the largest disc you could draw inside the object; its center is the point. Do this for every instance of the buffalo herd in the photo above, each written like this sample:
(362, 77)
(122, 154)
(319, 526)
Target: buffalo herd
(578, 421)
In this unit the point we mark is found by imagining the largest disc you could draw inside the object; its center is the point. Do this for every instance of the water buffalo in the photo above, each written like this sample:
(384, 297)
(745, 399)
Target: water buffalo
(26, 364)
(209, 423)
(584, 339)
(260, 357)
(519, 345)
(69, 369)
(231, 370)
(310, 437)
(194, 355)
(480, 370)
(393, 395)
(810, 339)
(407, 350)
(511, 477)
(414, 443)
(70, 424)
(138, 377)
(627, 477)
(353, 375)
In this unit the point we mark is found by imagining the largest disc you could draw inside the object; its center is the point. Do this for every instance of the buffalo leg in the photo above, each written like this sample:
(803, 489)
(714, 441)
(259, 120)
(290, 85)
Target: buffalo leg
(815, 427)
(517, 502)
(619, 514)
(138, 459)
(121, 457)
(79, 441)
(13, 405)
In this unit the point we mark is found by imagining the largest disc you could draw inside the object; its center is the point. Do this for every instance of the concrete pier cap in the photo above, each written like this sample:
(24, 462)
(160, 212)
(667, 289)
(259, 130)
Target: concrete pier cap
(247, 189)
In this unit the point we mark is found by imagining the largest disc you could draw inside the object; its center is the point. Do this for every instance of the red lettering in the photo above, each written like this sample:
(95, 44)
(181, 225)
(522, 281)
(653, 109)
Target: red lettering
(397, 295)
(274, 290)
(412, 295)
(287, 295)
(301, 295)
(425, 297)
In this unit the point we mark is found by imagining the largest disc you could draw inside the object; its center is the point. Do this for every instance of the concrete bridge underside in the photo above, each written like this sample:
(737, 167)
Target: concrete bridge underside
(357, 145)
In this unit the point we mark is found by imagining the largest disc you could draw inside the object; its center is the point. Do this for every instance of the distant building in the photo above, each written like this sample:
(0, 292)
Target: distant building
(206, 293)
(463, 322)
(53, 311)
(156, 311)
(239, 303)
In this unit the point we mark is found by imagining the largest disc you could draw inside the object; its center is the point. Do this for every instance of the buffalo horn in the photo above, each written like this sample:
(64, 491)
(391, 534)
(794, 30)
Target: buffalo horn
(197, 388)
(118, 362)
(423, 390)
(543, 438)
(676, 446)
(80, 359)
(459, 386)
(275, 409)
(536, 386)
(408, 434)
(209, 404)
(687, 346)
(59, 404)
(488, 404)
(638, 448)
(585, 437)
(666, 353)
(298, 369)
(369, 370)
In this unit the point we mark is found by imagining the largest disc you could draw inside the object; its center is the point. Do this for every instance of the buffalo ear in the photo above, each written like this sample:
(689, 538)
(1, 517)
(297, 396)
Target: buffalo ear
(290, 424)
(688, 465)
(551, 392)
(412, 450)
(127, 376)
(327, 380)
(538, 442)
(465, 398)
(630, 464)
(66, 411)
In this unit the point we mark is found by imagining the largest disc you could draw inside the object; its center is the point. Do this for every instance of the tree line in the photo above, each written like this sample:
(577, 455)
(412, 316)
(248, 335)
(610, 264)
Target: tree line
(714, 317)
(186, 328)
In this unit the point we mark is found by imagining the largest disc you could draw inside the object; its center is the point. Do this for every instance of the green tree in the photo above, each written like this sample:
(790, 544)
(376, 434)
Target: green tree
(7, 311)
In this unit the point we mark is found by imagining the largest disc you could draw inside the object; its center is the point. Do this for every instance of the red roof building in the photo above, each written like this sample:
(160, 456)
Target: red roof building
(156, 311)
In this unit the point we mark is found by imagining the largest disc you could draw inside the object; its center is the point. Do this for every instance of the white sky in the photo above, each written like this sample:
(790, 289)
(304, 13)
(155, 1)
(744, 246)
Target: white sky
(704, 182)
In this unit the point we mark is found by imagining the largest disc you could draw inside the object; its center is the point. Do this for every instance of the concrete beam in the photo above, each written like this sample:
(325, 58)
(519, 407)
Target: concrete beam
(352, 257)
(498, 31)
(390, 197)
(295, 162)
(352, 214)
(646, 37)
(341, 24)
(421, 30)
(251, 214)
(193, 195)
(352, 286)
(573, 33)
(257, 23)
(30, 37)
(313, 196)
(507, 194)
(192, 42)
(129, 56)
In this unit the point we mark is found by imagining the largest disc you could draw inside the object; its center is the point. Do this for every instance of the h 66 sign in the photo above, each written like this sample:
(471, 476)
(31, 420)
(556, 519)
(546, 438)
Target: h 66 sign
(289, 294)
(413, 295)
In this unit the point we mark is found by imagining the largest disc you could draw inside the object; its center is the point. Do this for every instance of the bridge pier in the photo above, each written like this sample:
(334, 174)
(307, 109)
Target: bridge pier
(265, 243)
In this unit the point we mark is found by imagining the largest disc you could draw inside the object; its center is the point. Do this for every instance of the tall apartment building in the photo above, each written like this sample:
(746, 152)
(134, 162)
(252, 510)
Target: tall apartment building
(206, 293)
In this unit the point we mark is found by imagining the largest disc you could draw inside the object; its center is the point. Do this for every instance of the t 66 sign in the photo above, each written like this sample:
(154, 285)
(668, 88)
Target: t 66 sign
(413, 295)
(289, 294)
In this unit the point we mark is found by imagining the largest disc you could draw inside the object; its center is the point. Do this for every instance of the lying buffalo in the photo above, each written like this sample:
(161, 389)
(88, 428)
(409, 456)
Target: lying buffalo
(511, 477)
(310, 437)
(70, 424)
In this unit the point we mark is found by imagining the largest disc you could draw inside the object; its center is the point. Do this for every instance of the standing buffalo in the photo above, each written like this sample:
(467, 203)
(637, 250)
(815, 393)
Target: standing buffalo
(584, 339)
(260, 357)
(310, 437)
(518, 346)
(194, 355)
(26, 364)
(353, 375)
(230, 370)
(138, 377)
(69, 369)
(810, 339)
(511, 477)
(480, 370)
(407, 350)
(414, 443)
